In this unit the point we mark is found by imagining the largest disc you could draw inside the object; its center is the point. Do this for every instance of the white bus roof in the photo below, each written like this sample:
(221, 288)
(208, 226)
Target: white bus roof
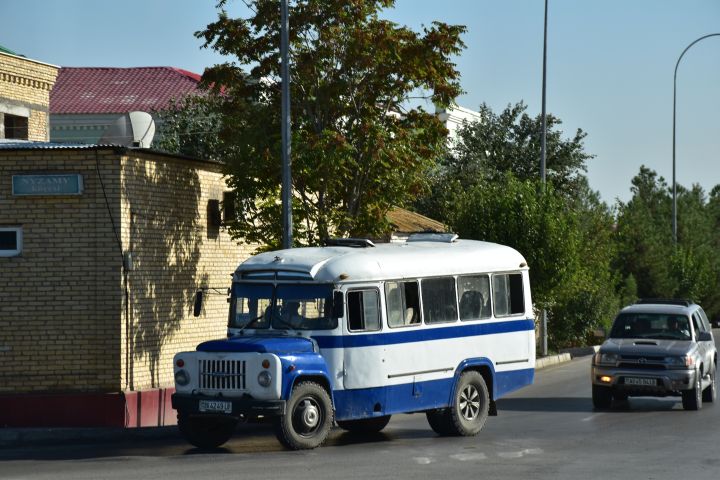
(387, 261)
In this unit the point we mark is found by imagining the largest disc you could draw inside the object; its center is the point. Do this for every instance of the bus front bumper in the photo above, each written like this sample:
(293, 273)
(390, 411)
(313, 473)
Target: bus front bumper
(249, 407)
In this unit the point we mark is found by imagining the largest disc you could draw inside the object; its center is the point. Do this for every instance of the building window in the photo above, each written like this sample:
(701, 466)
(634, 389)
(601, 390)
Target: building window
(16, 127)
(10, 241)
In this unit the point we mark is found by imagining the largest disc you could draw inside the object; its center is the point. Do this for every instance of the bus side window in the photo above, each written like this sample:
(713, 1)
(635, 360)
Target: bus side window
(508, 297)
(363, 310)
(474, 295)
(403, 303)
(439, 300)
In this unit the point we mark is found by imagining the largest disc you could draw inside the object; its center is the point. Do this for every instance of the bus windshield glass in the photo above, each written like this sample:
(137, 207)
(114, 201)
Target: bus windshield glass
(285, 307)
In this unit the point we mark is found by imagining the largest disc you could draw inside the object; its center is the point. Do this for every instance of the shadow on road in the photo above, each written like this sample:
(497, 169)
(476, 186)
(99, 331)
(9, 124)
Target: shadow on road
(546, 404)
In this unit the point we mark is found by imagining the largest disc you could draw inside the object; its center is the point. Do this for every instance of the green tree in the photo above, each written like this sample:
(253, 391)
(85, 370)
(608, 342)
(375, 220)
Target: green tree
(190, 126)
(510, 141)
(689, 269)
(358, 148)
(644, 235)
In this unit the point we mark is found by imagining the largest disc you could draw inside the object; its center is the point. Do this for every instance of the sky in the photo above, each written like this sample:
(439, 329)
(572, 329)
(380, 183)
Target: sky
(609, 70)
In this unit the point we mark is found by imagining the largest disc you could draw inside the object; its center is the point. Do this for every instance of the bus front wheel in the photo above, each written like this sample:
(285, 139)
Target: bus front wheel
(206, 432)
(308, 417)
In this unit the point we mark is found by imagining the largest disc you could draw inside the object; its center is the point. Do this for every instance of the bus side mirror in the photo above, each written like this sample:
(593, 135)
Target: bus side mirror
(338, 305)
(197, 308)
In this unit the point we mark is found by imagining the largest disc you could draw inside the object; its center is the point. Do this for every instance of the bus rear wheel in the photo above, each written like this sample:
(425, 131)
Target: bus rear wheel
(308, 417)
(469, 410)
(366, 425)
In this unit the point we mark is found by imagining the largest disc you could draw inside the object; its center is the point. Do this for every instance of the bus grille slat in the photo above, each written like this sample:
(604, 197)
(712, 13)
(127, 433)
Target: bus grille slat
(222, 375)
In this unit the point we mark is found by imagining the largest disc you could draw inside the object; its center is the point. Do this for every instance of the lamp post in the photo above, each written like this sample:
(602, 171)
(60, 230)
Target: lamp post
(674, 186)
(285, 127)
(542, 160)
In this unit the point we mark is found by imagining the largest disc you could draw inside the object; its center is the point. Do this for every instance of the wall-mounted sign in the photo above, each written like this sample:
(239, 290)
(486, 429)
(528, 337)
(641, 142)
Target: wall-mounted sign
(62, 184)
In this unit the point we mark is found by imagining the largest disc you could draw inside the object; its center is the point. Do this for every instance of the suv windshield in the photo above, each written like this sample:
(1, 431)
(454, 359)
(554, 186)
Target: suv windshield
(282, 307)
(659, 326)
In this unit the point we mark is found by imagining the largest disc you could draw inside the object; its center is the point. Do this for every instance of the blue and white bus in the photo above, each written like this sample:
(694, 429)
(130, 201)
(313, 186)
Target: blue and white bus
(352, 333)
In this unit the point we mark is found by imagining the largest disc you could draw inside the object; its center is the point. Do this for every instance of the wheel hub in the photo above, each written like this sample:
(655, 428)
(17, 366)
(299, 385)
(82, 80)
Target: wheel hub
(469, 402)
(308, 414)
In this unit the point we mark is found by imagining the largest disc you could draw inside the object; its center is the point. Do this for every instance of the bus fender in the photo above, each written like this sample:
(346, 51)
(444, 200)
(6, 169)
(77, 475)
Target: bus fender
(309, 366)
(485, 366)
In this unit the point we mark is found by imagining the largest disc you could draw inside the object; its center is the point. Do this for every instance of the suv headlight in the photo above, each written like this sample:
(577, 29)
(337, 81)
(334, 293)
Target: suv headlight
(606, 358)
(680, 362)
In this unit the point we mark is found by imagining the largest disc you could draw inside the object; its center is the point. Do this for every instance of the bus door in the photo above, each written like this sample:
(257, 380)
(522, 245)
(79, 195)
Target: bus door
(364, 354)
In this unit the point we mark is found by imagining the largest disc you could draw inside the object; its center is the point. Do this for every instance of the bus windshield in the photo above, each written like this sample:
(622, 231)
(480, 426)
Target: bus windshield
(282, 307)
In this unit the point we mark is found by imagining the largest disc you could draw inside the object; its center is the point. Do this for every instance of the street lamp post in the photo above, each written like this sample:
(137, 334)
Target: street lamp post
(543, 153)
(285, 128)
(674, 186)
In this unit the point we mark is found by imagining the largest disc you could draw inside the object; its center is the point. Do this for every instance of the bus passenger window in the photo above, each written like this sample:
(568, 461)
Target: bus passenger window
(439, 300)
(508, 295)
(474, 295)
(403, 303)
(363, 310)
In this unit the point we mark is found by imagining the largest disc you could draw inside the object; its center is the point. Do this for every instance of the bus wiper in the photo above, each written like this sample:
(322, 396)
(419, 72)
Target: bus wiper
(250, 322)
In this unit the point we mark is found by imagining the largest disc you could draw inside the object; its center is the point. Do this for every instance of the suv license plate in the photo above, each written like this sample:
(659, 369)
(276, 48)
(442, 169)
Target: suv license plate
(644, 382)
(215, 406)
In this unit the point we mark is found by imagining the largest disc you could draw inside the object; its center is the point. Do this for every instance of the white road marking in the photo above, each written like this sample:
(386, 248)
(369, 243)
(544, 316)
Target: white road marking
(521, 453)
(423, 460)
(587, 419)
(464, 457)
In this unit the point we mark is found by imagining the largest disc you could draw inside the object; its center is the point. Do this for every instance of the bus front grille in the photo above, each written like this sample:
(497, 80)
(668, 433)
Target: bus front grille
(222, 375)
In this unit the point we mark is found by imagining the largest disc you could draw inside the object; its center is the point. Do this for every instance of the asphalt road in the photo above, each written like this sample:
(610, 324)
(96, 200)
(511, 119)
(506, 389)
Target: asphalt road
(546, 431)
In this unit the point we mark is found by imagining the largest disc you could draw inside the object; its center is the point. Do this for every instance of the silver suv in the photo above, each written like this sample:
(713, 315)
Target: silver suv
(657, 348)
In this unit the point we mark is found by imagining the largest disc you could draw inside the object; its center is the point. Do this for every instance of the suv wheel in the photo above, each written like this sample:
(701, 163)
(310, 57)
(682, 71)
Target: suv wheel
(692, 398)
(602, 396)
(710, 393)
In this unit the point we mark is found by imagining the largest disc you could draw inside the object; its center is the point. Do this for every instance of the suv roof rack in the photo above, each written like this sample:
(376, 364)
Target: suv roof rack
(683, 302)
(349, 242)
(442, 237)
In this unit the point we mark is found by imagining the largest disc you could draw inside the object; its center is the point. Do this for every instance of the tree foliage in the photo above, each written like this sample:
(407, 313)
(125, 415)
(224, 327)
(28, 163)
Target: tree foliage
(357, 148)
(689, 269)
(190, 126)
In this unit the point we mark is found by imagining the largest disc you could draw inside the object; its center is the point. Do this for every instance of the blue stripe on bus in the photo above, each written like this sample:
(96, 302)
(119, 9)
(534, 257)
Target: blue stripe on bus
(415, 396)
(415, 334)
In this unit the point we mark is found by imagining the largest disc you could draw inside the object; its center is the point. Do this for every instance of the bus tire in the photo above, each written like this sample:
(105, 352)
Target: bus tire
(470, 406)
(365, 425)
(206, 432)
(308, 417)
(439, 421)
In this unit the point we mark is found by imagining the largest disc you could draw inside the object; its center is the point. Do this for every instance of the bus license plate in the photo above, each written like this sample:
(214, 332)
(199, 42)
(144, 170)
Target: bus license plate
(215, 406)
(643, 382)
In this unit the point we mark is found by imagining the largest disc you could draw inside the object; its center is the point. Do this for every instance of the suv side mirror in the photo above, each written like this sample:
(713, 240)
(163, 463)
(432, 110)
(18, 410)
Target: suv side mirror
(705, 337)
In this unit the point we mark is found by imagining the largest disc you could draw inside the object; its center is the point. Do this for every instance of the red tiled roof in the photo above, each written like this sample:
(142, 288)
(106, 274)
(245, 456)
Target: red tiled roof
(119, 90)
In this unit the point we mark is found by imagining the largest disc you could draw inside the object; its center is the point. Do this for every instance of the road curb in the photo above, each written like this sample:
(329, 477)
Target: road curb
(550, 360)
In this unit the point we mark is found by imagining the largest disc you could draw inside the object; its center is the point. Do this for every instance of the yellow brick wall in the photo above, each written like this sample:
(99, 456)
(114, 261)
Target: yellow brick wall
(27, 83)
(63, 322)
(60, 300)
(175, 252)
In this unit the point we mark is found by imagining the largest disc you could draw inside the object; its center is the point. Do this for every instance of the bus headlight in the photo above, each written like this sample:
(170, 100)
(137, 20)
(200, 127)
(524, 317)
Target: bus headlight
(264, 378)
(182, 377)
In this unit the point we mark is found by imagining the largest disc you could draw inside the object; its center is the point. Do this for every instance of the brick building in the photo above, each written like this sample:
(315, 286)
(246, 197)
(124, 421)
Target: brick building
(102, 251)
(25, 86)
